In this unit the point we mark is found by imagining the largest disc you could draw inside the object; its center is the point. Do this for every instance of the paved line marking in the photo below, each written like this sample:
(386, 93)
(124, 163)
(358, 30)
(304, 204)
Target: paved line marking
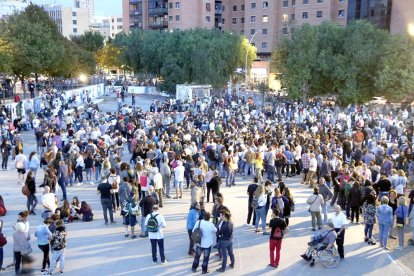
(396, 263)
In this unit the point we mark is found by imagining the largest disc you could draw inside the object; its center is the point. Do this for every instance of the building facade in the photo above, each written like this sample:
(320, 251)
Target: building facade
(107, 26)
(267, 20)
(70, 21)
(88, 5)
(9, 7)
(402, 16)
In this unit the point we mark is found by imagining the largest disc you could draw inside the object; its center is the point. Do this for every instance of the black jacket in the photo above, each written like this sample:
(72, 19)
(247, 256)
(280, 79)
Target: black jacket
(226, 231)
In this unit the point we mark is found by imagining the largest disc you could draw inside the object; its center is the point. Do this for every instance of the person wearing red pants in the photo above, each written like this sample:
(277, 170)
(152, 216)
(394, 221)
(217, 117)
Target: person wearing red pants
(279, 229)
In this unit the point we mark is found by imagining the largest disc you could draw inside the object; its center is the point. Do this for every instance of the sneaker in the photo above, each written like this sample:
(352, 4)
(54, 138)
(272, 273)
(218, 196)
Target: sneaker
(164, 262)
(33, 213)
(366, 240)
(386, 248)
(220, 270)
(126, 235)
(154, 262)
(312, 263)
(206, 272)
(231, 266)
(79, 184)
(272, 265)
(194, 270)
(91, 183)
(113, 221)
(133, 236)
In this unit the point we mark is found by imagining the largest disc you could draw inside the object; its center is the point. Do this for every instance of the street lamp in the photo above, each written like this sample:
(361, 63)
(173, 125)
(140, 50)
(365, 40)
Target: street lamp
(245, 66)
(410, 29)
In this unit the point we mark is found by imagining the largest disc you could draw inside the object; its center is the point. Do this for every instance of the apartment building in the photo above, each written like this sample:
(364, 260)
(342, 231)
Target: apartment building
(107, 26)
(88, 5)
(267, 20)
(9, 7)
(402, 16)
(70, 21)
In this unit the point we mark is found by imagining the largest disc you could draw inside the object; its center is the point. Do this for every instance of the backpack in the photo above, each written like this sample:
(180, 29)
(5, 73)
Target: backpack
(255, 202)
(197, 234)
(152, 224)
(58, 241)
(114, 184)
(278, 234)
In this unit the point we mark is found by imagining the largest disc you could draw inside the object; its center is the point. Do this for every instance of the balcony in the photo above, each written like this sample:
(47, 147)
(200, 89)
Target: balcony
(218, 11)
(135, 12)
(158, 11)
(134, 1)
(158, 25)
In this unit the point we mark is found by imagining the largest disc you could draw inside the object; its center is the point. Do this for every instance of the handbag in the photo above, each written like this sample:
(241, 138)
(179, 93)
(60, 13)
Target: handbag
(26, 248)
(401, 220)
(312, 203)
(3, 240)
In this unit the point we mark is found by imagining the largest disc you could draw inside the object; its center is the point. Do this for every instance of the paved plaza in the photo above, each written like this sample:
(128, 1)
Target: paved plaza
(98, 249)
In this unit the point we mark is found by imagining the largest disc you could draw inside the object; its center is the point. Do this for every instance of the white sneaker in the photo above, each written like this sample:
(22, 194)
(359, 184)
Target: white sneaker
(91, 183)
(80, 183)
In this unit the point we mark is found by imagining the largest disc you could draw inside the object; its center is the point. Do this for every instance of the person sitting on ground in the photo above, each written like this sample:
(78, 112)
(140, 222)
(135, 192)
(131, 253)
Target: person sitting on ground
(327, 241)
(85, 212)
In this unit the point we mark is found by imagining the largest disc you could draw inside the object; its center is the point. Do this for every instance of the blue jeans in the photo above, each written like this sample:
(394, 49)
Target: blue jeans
(384, 228)
(58, 256)
(1, 257)
(248, 166)
(229, 177)
(221, 169)
(325, 213)
(160, 243)
(368, 230)
(227, 246)
(271, 173)
(62, 184)
(260, 215)
(206, 257)
(88, 172)
(143, 228)
(98, 171)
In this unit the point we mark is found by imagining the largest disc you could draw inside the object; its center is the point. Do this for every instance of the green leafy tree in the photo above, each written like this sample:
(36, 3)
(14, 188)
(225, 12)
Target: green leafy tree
(91, 41)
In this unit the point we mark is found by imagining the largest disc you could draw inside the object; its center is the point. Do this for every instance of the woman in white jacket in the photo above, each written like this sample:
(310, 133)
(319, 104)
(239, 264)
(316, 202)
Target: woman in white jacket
(315, 201)
(259, 202)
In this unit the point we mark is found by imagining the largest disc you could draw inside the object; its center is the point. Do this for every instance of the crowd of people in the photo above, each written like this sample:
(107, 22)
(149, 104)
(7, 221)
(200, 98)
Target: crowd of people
(356, 160)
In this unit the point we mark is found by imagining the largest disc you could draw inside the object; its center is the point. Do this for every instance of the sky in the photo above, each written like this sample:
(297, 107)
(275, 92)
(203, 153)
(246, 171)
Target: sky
(102, 7)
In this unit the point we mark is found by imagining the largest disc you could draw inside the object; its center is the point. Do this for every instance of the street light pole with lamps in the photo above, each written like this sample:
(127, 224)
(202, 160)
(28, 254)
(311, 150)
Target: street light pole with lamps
(245, 66)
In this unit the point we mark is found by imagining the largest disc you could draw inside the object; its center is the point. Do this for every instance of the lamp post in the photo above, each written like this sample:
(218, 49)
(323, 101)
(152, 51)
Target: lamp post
(245, 66)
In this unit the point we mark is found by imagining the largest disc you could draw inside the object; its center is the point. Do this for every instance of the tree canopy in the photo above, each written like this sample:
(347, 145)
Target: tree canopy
(354, 63)
(193, 56)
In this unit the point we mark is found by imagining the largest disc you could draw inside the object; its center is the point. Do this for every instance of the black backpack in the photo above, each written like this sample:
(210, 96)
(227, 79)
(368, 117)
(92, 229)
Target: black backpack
(197, 234)
(152, 224)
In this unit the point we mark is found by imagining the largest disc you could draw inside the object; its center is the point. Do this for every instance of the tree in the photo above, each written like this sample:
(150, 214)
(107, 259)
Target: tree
(395, 78)
(109, 56)
(91, 41)
(296, 60)
(36, 41)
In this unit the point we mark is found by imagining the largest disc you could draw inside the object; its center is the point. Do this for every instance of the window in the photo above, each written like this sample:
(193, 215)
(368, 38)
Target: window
(293, 3)
(73, 13)
(304, 15)
(285, 31)
(341, 13)
(265, 19)
(305, 2)
(234, 20)
(208, 19)
(234, 7)
(223, 8)
(265, 5)
(119, 27)
(242, 7)
(285, 17)
(170, 18)
(318, 14)
(177, 18)
(285, 3)
(74, 22)
(113, 27)
(252, 31)
(319, 1)
(223, 21)
(75, 30)
(372, 12)
(253, 18)
(170, 5)
(292, 16)
(208, 7)
(119, 20)
(242, 20)
(264, 45)
(177, 5)
(252, 5)
(264, 31)
(113, 20)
